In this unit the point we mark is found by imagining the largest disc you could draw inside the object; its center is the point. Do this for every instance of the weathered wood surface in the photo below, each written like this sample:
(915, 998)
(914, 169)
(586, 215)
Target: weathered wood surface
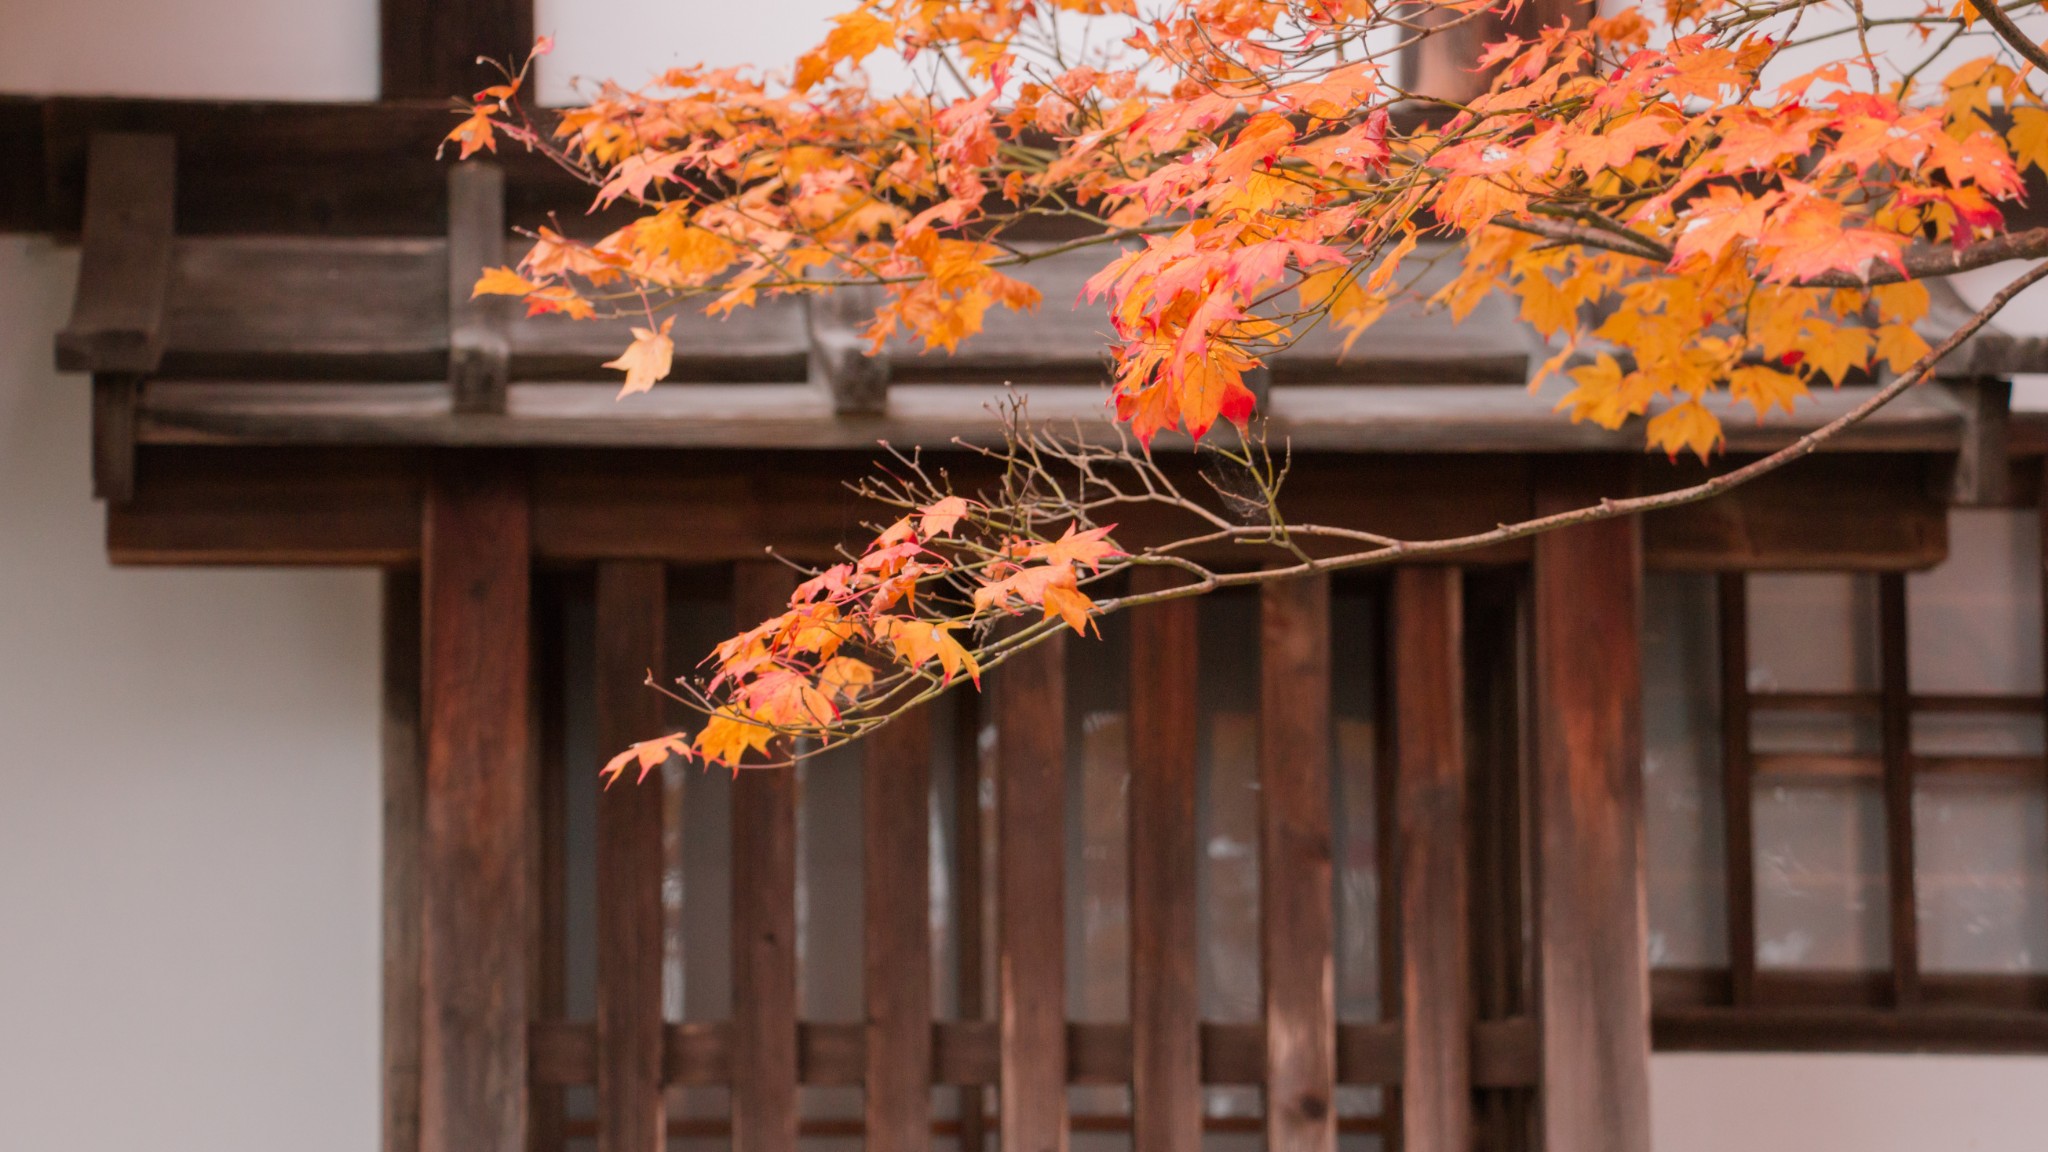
(1436, 948)
(1296, 934)
(1738, 799)
(1166, 1074)
(337, 506)
(404, 829)
(124, 273)
(764, 975)
(1895, 725)
(428, 49)
(897, 969)
(631, 624)
(479, 348)
(1031, 765)
(1593, 982)
(476, 904)
(969, 1053)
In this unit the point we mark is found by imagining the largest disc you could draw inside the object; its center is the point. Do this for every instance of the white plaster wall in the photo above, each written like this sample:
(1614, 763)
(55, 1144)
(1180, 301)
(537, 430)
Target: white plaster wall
(188, 759)
(188, 775)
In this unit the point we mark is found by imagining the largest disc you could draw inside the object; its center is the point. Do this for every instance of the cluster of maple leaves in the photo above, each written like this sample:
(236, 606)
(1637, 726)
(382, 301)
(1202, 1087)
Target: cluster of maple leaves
(1683, 235)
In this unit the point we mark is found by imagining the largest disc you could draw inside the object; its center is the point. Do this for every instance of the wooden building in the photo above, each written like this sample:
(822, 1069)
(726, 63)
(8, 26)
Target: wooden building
(1356, 860)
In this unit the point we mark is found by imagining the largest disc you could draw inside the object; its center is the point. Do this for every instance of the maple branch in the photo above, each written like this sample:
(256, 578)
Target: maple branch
(2010, 32)
(1932, 263)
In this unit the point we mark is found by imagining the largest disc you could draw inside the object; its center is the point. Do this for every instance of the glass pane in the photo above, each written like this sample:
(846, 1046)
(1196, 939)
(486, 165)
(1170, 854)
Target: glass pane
(1779, 732)
(1981, 861)
(1976, 734)
(1974, 622)
(1812, 632)
(1820, 880)
(1684, 828)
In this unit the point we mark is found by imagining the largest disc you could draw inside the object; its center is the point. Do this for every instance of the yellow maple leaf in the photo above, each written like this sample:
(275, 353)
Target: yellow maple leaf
(501, 282)
(1685, 426)
(1764, 388)
(647, 360)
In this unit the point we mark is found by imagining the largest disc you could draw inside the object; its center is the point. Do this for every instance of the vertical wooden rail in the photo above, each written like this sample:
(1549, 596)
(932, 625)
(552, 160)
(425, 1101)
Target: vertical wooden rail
(1738, 799)
(1166, 1071)
(1297, 934)
(550, 823)
(404, 798)
(764, 988)
(1593, 978)
(1896, 735)
(1429, 709)
(896, 861)
(969, 955)
(632, 610)
(1031, 771)
(476, 907)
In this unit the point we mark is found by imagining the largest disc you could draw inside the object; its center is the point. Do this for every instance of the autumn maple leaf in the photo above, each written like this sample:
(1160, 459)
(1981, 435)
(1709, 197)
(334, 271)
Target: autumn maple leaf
(647, 360)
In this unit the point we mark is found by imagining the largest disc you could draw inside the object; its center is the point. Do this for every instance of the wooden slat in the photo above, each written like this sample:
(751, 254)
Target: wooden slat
(1296, 934)
(631, 622)
(404, 802)
(1593, 986)
(1851, 1030)
(969, 952)
(551, 776)
(896, 877)
(1737, 795)
(1166, 1075)
(124, 271)
(479, 349)
(1428, 660)
(429, 48)
(968, 1053)
(475, 900)
(764, 987)
(1031, 764)
(1895, 725)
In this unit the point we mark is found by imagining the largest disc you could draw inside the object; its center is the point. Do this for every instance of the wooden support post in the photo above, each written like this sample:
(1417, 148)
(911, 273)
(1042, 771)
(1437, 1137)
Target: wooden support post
(1896, 741)
(1296, 931)
(896, 854)
(764, 988)
(1738, 799)
(479, 350)
(1436, 1084)
(1592, 973)
(404, 801)
(428, 49)
(1031, 771)
(1166, 1065)
(1983, 475)
(968, 946)
(550, 822)
(632, 610)
(839, 360)
(116, 330)
(475, 900)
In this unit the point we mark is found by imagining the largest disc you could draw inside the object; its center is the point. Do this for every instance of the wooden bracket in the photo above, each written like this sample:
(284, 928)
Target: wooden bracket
(116, 331)
(1983, 470)
(479, 351)
(839, 358)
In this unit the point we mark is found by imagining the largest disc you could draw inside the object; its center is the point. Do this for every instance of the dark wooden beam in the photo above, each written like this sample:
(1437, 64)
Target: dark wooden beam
(1895, 724)
(1436, 948)
(404, 818)
(1738, 799)
(476, 905)
(632, 598)
(1974, 1032)
(1166, 1074)
(897, 968)
(124, 271)
(1296, 930)
(479, 350)
(429, 49)
(1031, 769)
(764, 973)
(1592, 971)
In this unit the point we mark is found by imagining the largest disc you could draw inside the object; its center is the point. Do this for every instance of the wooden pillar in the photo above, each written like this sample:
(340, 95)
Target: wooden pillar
(475, 900)
(631, 620)
(404, 803)
(764, 989)
(1593, 998)
(968, 926)
(1436, 951)
(1738, 798)
(1896, 736)
(1296, 931)
(1031, 772)
(897, 982)
(1166, 1071)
